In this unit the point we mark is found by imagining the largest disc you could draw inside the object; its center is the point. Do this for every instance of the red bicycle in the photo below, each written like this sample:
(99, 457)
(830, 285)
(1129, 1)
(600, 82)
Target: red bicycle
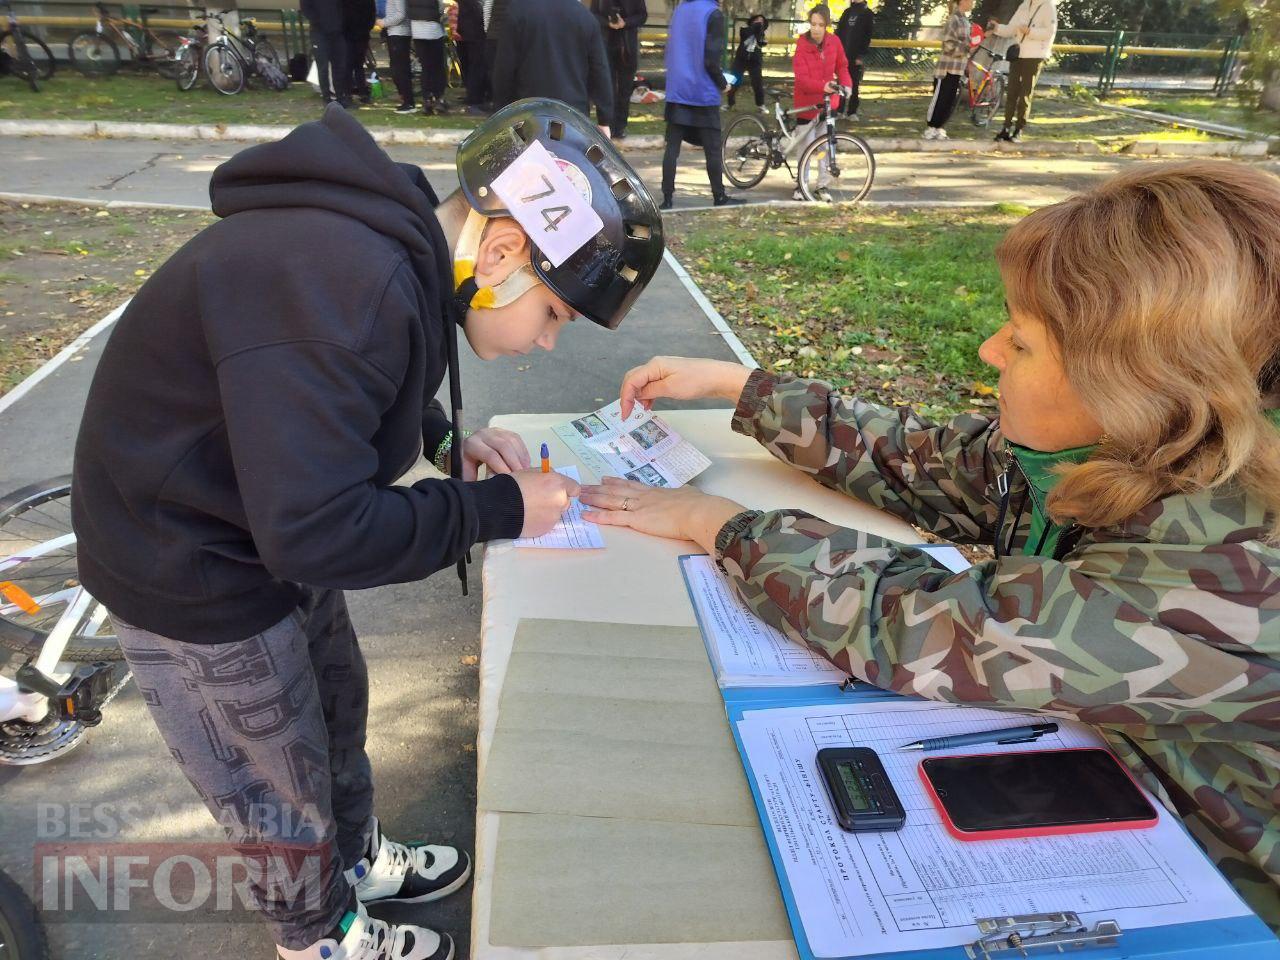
(985, 83)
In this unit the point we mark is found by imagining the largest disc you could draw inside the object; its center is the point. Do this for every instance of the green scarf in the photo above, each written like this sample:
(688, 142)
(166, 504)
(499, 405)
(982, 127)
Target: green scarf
(1038, 468)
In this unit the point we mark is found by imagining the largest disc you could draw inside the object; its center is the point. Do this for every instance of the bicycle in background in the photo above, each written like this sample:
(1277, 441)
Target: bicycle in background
(190, 54)
(96, 52)
(28, 56)
(231, 59)
(835, 168)
(985, 84)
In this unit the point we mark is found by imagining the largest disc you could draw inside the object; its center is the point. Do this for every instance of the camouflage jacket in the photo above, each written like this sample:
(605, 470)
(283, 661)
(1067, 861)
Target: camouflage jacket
(1164, 632)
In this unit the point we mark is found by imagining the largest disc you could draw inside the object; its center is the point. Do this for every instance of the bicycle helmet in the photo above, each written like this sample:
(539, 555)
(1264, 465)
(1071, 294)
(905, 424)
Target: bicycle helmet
(603, 276)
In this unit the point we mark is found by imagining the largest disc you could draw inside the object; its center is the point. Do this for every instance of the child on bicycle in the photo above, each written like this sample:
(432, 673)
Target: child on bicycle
(950, 69)
(821, 71)
(237, 468)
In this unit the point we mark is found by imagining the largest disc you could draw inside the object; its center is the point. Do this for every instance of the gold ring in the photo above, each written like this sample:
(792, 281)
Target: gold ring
(626, 503)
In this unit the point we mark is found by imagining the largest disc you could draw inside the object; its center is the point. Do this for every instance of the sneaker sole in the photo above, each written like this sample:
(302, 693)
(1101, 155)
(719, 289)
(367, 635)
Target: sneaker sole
(427, 897)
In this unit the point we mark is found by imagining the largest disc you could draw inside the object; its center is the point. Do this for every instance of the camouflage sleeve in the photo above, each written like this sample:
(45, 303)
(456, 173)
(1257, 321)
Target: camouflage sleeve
(1023, 632)
(938, 476)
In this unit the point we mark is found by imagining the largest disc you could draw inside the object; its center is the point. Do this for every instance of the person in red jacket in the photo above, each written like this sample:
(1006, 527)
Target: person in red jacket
(821, 70)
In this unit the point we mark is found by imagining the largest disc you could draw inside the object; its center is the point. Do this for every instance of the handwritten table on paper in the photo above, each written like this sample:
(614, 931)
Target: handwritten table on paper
(920, 888)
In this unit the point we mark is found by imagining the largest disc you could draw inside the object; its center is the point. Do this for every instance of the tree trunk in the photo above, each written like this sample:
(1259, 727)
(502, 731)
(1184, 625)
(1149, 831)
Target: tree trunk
(1270, 99)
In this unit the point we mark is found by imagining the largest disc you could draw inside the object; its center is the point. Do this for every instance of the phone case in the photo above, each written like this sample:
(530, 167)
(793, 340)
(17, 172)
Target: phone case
(1055, 831)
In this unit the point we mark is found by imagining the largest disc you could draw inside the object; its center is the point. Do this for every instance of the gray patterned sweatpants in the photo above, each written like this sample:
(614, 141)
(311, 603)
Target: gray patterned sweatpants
(271, 732)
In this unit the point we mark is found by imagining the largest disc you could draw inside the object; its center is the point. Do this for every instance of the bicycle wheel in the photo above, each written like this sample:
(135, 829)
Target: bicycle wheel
(13, 47)
(264, 52)
(992, 96)
(187, 74)
(21, 936)
(224, 69)
(746, 152)
(93, 54)
(38, 576)
(37, 50)
(840, 176)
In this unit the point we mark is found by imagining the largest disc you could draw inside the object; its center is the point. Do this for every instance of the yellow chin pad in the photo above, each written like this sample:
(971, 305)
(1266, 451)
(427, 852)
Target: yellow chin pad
(484, 298)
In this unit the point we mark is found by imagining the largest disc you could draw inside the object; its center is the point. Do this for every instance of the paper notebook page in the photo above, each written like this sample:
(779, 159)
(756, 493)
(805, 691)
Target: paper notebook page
(920, 888)
(745, 650)
(571, 532)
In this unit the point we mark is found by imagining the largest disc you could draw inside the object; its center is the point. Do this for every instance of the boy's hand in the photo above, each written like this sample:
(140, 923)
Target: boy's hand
(546, 498)
(681, 378)
(500, 450)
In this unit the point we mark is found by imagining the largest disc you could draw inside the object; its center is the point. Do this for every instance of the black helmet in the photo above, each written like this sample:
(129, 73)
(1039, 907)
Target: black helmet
(602, 279)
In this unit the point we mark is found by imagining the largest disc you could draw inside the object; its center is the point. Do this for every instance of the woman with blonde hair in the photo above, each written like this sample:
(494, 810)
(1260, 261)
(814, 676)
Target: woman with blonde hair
(1130, 488)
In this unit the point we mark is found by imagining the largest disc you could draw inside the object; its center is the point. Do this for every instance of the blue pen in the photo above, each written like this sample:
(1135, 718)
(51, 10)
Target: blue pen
(1028, 734)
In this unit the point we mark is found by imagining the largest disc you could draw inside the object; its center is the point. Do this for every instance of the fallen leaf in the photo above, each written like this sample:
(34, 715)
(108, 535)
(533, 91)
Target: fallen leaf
(982, 390)
(470, 660)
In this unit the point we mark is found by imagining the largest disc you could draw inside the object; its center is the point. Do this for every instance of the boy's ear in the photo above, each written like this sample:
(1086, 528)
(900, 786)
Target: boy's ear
(504, 242)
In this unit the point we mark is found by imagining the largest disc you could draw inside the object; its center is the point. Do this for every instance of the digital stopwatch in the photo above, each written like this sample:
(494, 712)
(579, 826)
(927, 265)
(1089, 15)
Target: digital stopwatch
(860, 790)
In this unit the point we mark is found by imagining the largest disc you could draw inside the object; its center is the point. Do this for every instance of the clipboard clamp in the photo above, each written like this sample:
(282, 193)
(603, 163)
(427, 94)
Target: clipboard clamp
(1038, 931)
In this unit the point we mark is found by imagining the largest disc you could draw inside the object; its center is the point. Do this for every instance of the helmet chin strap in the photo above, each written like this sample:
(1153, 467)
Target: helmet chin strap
(467, 292)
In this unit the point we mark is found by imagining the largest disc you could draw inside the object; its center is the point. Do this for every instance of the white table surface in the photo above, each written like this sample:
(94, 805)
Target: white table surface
(635, 579)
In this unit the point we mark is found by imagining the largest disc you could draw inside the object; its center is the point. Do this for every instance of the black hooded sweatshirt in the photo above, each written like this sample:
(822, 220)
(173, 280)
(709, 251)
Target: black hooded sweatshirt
(263, 391)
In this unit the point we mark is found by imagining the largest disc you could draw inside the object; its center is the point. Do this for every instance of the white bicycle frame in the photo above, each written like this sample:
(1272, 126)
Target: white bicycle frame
(32, 707)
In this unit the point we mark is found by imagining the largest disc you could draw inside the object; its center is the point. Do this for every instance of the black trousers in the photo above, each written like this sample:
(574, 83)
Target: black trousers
(745, 66)
(475, 71)
(430, 54)
(856, 71)
(490, 60)
(623, 74)
(946, 91)
(709, 137)
(357, 51)
(330, 51)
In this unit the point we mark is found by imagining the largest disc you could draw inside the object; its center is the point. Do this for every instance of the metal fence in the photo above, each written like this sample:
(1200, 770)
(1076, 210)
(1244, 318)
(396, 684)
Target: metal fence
(1101, 59)
(57, 21)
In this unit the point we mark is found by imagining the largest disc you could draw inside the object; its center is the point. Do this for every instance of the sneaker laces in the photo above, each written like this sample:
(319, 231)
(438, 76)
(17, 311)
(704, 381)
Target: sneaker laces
(401, 858)
(375, 940)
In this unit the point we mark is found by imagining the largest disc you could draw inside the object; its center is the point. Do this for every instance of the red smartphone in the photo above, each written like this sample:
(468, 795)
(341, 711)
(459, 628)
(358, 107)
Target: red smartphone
(1037, 793)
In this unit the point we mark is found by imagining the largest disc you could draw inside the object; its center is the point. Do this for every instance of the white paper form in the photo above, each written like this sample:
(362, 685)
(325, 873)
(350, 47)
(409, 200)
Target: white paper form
(571, 532)
(642, 447)
(920, 888)
(745, 651)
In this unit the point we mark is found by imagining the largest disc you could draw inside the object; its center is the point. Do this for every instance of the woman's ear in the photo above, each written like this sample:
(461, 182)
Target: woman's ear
(503, 248)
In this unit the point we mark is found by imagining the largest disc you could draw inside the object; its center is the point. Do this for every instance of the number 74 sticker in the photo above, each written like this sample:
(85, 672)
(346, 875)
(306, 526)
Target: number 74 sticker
(552, 211)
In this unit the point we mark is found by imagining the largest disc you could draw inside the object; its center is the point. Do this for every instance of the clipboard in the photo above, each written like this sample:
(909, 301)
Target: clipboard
(1001, 937)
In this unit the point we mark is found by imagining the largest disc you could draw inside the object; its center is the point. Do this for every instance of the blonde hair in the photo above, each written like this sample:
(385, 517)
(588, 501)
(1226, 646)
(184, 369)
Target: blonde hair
(1161, 291)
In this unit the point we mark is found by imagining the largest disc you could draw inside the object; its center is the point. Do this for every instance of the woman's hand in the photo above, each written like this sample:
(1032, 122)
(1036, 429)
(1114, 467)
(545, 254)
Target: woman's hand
(681, 378)
(500, 450)
(682, 514)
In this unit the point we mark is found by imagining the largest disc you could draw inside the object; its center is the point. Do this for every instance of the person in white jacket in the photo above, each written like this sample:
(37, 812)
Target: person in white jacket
(1032, 28)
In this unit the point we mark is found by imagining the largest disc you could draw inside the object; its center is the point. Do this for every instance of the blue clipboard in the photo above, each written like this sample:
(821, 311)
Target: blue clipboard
(1235, 938)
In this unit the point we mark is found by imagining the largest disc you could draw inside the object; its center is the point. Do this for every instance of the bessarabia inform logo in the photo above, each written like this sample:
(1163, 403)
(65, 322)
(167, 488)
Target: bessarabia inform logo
(87, 870)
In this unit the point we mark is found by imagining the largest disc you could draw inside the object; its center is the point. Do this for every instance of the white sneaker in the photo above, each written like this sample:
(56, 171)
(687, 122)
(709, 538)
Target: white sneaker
(930, 133)
(823, 194)
(368, 938)
(393, 872)
(941, 134)
(797, 195)
(763, 111)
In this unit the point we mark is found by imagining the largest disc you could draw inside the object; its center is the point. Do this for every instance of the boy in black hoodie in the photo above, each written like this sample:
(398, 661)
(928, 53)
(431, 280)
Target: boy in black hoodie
(236, 468)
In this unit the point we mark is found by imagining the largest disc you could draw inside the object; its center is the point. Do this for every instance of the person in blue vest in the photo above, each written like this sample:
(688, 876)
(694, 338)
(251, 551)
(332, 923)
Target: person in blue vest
(695, 80)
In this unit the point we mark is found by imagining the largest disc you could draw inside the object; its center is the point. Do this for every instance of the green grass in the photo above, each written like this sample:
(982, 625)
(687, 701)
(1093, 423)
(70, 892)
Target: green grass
(1229, 109)
(890, 305)
(888, 110)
